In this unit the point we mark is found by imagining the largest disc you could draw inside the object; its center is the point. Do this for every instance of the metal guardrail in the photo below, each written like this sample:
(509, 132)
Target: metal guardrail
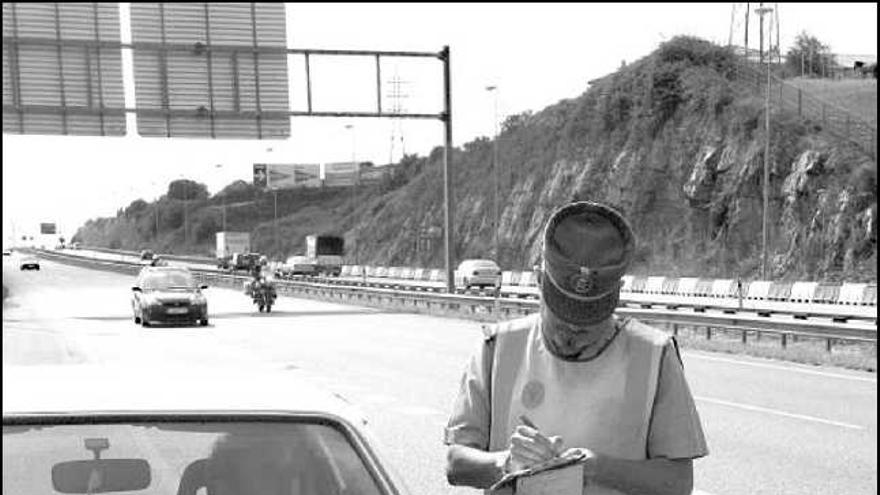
(494, 308)
(800, 299)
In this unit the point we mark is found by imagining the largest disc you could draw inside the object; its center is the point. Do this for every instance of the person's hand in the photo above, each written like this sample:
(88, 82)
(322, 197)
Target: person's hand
(529, 446)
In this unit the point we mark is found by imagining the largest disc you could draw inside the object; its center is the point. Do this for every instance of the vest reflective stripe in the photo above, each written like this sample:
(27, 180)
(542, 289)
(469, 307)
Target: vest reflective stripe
(645, 349)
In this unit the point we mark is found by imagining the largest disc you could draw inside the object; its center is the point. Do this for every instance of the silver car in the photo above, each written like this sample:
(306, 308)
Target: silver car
(478, 273)
(183, 430)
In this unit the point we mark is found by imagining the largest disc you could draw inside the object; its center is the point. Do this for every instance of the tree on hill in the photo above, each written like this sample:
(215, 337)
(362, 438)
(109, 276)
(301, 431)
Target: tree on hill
(186, 189)
(808, 56)
(238, 191)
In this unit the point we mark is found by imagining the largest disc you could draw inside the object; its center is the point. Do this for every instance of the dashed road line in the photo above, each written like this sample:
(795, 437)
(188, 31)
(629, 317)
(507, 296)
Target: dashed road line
(781, 367)
(777, 412)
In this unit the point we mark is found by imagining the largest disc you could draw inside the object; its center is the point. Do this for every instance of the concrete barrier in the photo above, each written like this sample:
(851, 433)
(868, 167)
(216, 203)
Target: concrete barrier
(758, 290)
(627, 283)
(780, 291)
(870, 296)
(669, 285)
(826, 293)
(638, 283)
(654, 285)
(851, 293)
(527, 279)
(687, 286)
(704, 287)
(347, 270)
(803, 292)
(724, 288)
(406, 273)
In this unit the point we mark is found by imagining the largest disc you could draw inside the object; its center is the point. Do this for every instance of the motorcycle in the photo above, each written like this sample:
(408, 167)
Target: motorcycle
(263, 294)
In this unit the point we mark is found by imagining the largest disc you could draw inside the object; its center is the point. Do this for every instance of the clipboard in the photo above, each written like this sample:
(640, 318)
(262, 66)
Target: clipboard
(560, 475)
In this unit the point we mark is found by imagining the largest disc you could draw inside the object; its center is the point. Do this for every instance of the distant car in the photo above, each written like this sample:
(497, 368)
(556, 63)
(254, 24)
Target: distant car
(166, 294)
(479, 273)
(7, 252)
(183, 429)
(74, 245)
(147, 255)
(30, 263)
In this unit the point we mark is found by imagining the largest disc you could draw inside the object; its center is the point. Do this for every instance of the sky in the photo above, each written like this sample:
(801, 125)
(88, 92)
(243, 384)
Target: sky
(535, 55)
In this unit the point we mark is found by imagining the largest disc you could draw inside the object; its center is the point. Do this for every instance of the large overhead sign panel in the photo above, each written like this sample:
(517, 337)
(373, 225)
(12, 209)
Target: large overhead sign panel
(48, 228)
(216, 70)
(62, 69)
(292, 176)
(341, 174)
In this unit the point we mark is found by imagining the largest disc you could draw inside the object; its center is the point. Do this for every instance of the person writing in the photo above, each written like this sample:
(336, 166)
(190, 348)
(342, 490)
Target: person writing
(576, 375)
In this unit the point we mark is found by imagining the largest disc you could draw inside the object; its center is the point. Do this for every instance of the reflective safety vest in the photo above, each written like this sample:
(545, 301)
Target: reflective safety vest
(610, 413)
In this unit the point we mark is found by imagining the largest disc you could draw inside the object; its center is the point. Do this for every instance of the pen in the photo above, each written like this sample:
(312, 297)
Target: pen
(528, 422)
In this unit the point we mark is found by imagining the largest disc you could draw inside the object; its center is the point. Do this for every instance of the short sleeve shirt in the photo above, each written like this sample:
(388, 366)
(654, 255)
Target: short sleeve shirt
(674, 427)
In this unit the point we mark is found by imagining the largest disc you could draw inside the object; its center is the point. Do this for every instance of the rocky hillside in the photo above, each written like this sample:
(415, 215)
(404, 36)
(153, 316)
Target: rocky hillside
(672, 141)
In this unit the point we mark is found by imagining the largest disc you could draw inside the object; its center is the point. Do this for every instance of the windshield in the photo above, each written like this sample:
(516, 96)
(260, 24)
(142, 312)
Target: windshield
(167, 280)
(223, 458)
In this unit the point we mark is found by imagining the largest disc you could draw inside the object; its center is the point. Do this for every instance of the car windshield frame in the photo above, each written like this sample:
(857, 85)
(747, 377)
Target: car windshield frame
(383, 479)
(154, 275)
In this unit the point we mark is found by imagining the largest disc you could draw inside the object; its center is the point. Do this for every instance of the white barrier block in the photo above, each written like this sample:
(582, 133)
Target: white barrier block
(802, 292)
(723, 287)
(506, 277)
(759, 289)
(687, 286)
(654, 285)
(528, 280)
(627, 283)
(851, 293)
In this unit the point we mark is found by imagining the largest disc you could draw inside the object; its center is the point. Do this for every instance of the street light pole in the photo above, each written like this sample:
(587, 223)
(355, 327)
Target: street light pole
(765, 223)
(223, 200)
(357, 165)
(495, 247)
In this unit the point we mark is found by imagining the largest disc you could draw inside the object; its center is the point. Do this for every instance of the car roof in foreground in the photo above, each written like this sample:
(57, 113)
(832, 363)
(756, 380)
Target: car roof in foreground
(91, 389)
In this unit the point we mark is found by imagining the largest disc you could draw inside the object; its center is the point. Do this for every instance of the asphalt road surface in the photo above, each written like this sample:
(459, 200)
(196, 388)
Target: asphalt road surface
(772, 427)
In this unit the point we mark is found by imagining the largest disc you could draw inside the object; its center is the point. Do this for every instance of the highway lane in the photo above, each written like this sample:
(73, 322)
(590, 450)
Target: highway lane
(820, 312)
(772, 427)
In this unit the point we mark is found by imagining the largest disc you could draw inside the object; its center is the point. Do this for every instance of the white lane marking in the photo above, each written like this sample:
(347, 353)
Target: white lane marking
(780, 367)
(779, 413)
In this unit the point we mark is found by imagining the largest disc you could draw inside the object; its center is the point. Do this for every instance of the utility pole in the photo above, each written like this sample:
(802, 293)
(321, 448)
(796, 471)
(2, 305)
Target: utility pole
(761, 33)
(765, 223)
(495, 222)
(275, 223)
(747, 32)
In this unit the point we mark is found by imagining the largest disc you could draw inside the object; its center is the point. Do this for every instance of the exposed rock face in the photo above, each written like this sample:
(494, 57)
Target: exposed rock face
(691, 186)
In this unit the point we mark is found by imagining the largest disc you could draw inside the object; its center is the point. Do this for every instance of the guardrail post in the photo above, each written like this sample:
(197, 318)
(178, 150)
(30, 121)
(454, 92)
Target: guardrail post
(784, 340)
(800, 102)
(675, 329)
(745, 334)
(829, 342)
(708, 333)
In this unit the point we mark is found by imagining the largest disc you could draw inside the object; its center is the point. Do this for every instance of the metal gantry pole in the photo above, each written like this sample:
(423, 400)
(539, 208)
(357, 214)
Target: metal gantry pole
(275, 222)
(447, 171)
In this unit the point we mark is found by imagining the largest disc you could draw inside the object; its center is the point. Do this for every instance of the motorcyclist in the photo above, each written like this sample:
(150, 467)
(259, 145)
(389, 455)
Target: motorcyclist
(258, 272)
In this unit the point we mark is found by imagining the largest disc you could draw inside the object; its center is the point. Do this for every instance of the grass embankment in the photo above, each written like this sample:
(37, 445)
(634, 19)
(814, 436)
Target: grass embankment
(803, 350)
(858, 96)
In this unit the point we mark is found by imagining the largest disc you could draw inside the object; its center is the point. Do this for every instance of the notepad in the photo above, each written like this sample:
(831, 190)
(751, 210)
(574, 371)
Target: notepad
(561, 475)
